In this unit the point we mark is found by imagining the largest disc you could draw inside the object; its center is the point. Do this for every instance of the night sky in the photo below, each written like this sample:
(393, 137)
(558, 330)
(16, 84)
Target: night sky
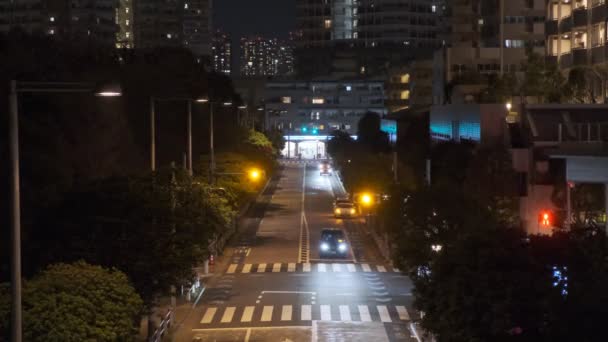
(269, 18)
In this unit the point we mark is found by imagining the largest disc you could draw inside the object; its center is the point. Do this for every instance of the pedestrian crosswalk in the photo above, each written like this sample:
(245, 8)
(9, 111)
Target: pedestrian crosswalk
(302, 314)
(308, 267)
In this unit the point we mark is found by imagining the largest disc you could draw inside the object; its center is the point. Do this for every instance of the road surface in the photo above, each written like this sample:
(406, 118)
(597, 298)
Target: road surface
(276, 287)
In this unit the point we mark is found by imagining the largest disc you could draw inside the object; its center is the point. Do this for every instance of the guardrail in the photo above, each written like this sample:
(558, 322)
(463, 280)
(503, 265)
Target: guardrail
(163, 327)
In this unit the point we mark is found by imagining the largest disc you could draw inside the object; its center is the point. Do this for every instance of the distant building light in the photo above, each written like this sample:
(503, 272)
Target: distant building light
(126, 9)
(169, 35)
(433, 8)
(51, 31)
(52, 19)
(327, 23)
(185, 6)
(286, 99)
(318, 100)
(349, 88)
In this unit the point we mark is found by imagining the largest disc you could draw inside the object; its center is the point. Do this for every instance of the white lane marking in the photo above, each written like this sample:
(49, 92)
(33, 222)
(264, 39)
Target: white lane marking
(364, 313)
(306, 313)
(286, 313)
(381, 268)
(276, 267)
(232, 268)
(247, 314)
(366, 268)
(344, 313)
(403, 314)
(208, 317)
(267, 314)
(351, 268)
(325, 313)
(384, 316)
(336, 267)
(247, 268)
(321, 268)
(306, 267)
(228, 313)
(262, 268)
(291, 267)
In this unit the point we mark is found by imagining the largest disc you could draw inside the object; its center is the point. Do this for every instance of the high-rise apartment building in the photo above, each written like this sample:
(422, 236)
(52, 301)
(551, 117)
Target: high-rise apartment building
(370, 23)
(265, 57)
(124, 20)
(494, 36)
(184, 23)
(87, 19)
(576, 32)
(221, 52)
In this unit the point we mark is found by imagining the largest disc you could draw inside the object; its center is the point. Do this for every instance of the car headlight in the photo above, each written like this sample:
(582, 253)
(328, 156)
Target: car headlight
(342, 247)
(324, 246)
(338, 211)
(352, 211)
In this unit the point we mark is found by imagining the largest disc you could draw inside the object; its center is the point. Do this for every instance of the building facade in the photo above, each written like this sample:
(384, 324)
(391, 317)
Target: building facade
(369, 23)
(308, 111)
(185, 23)
(89, 19)
(493, 36)
(221, 53)
(265, 57)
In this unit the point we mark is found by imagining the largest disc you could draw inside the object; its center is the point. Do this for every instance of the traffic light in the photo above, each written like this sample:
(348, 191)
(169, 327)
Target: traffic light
(546, 218)
(304, 129)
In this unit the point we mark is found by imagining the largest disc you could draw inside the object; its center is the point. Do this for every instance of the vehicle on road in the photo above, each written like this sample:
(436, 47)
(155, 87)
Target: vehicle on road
(325, 169)
(333, 243)
(345, 209)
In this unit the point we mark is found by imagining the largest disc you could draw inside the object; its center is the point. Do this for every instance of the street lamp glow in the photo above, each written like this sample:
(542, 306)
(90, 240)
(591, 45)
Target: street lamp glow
(227, 104)
(436, 248)
(366, 199)
(509, 106)
(242, 107)
(255, 174)
(202, 100)
(109, 94)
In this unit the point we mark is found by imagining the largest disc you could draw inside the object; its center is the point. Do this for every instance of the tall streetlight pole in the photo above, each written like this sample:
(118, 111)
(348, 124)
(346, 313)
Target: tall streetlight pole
(189, 129)
(211, 132)
(13, 134)
(152, 135)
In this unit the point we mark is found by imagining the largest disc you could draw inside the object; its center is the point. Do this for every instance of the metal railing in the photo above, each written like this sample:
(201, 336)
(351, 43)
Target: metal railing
(163, 327)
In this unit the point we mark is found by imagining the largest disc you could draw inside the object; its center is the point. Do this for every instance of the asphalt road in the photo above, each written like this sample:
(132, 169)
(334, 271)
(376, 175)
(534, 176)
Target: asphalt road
(276, 287)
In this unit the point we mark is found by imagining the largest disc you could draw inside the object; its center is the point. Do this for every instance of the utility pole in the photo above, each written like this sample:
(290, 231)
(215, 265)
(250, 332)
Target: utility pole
(16, 318)
(189, 128)
(211, 149)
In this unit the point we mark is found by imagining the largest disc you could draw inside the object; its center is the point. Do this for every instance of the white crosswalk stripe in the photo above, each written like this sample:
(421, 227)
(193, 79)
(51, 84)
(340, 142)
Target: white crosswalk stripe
(291, 267)
(366, 268)
(381, 268)
(232, 268)
(228, 314)
(262, 268)
(306, 267)
(403, 314)
(351, 268)
(306, 313)
(247, 268)
(208, 316)
(222, 316)
(267, 314)
(325, 313)
(384, 315)
(336, 267)
(276, 267)
(321, 268)
(286, 313)
(344, 313)
(364, 313)
(247, 314)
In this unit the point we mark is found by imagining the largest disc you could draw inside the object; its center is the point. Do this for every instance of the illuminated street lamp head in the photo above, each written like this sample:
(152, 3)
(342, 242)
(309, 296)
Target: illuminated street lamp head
(227, 103)
(202, 100)
(242, 107)
(509, 106)
(108, 90)
(255, 174)
(366, 199)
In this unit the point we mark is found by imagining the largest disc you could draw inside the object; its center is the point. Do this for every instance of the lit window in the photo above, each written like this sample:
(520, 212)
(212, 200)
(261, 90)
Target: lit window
(127, 22)
(51, 31)
(52, 19)
(318, 100)
(185, 6)
(349, 88)
(327, 23)
(126, 9)
(433, 8)
(169, 35)
(405, 95)
(480, 21)
(405, 78)
(286, 99)
(127, 34)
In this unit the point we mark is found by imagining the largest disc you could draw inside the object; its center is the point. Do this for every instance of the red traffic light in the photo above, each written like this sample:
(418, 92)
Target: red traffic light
(545, 218)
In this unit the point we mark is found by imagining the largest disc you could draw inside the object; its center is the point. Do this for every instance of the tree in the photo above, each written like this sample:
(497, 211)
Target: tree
(78, 302)
(370, 135)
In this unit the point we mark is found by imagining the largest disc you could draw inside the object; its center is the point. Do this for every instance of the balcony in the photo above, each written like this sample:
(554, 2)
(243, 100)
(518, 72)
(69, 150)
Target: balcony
(598, 54)
(565, 60)
(565, 25)
(598, 14)
(579, 56)
(551, 27)
(579, 16)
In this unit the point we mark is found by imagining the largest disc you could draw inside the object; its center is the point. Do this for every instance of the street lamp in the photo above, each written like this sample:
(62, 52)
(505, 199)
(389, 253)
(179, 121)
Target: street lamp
(14, 89)
(211, 147)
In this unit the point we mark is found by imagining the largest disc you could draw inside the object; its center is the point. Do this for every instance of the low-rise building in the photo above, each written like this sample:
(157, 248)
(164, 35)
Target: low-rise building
(308, 111)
